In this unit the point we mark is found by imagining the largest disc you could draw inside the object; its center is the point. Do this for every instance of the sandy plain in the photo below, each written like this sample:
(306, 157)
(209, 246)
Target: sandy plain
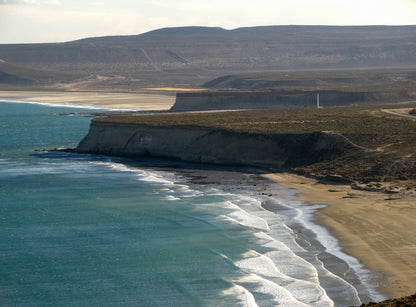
(376, 228)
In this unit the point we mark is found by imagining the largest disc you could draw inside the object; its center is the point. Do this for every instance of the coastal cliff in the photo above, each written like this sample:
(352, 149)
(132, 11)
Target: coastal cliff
(212, 145)
(271, 99)
(364, 145)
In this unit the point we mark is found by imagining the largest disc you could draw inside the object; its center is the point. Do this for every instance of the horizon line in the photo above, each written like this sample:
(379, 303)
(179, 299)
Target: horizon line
(208, 27)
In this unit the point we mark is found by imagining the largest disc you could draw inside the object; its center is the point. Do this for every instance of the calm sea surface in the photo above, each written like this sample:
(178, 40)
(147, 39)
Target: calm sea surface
(79, 230)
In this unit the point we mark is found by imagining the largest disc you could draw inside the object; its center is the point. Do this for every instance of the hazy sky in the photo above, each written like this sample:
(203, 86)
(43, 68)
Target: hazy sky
(27, 21)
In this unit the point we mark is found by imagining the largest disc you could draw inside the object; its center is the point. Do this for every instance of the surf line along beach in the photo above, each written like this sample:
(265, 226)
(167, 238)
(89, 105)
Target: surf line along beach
(376, 231)
(373, 227)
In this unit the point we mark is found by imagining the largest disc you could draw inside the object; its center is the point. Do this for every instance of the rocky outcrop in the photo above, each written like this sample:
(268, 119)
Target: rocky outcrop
(408, 301)
(210, 145)
(269, 99)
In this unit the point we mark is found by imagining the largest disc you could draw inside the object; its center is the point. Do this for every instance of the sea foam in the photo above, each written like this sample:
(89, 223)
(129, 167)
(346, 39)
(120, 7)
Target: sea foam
(309, 279)
(304, 216)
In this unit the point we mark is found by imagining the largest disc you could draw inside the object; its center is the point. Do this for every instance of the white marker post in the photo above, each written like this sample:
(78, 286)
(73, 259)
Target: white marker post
(317, 99)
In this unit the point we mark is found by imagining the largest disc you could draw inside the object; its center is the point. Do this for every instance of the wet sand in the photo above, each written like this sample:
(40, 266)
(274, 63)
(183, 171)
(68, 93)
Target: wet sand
(376, 228)
(110, 100)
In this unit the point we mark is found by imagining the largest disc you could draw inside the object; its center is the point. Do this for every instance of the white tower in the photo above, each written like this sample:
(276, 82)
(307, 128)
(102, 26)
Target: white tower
(317, 99)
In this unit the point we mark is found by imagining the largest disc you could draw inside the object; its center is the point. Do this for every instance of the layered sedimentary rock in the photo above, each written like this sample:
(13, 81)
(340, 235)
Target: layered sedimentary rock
(209, 145)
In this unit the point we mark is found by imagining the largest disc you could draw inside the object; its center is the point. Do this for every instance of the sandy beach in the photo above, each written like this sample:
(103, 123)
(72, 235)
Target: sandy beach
(376, 228)
(144, 102)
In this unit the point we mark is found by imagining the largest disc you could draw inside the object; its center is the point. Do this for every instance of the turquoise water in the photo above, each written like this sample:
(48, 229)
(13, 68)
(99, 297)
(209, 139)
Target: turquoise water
(85, 230)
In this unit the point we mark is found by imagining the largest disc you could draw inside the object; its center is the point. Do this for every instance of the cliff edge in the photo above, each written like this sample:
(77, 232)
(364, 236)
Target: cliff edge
(363, 145)
(212, 145)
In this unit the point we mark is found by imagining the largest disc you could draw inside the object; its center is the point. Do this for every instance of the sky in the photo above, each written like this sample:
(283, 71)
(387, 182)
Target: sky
(39, 21)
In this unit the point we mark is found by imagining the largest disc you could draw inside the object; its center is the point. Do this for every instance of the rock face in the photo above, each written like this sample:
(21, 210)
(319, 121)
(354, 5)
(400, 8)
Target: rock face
(209, 145)
(233, 100)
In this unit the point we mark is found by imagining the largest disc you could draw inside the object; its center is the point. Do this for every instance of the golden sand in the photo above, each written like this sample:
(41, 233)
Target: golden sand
(175, 89)
(114, 100)
(376, 228)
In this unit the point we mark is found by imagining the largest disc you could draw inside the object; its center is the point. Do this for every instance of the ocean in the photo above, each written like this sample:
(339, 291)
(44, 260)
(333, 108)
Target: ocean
(82, 230)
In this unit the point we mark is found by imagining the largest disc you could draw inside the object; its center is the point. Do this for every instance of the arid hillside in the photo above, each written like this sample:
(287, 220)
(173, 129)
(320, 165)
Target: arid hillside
(191, 56)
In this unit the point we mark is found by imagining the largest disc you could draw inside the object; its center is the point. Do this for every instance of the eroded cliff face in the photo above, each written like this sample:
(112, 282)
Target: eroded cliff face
(208, 145)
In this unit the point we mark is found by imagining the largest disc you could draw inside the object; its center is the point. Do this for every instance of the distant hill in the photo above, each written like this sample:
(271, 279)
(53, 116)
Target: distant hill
(347, 80)
(20, 75)
(191, 56)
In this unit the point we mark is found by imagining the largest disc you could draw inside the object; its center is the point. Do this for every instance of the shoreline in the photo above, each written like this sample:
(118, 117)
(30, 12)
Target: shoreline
(372, 227)
(253, 183)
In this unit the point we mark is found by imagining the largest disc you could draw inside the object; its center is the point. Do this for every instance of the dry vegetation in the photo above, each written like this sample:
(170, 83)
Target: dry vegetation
(409, 301)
